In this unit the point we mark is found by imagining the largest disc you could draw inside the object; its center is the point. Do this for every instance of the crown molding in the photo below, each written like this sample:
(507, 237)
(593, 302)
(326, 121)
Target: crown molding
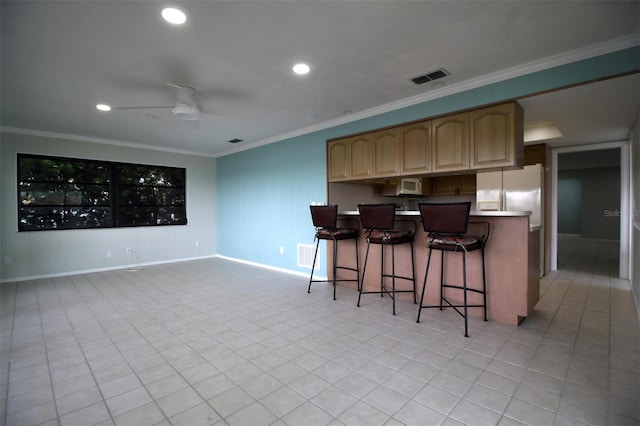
(91, 139)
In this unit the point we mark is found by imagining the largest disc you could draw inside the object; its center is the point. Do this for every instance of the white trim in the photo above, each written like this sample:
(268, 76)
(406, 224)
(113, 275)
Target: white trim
(626, 219)
(91, 271)
(271, 268)
(624, 200)
(141, 265)
(91, 139)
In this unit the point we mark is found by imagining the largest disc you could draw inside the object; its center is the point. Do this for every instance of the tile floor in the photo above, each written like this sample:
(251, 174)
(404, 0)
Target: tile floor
(217, 342)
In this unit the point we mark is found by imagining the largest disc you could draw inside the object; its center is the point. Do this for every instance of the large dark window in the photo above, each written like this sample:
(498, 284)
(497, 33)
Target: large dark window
(66, 193)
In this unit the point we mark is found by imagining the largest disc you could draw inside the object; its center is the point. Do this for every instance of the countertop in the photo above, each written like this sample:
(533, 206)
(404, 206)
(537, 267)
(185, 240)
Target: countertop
(532, 228)
(472, 213)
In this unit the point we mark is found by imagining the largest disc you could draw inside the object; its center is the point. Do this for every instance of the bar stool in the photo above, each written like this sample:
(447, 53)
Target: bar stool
(446, 227)
(378, 222)
(325, 219)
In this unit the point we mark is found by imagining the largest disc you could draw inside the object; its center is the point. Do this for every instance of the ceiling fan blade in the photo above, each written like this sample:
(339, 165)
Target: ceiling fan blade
(185, 88)
(146, 107)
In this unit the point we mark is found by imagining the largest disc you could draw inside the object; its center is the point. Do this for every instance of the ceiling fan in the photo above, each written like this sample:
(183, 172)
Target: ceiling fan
(185, 107)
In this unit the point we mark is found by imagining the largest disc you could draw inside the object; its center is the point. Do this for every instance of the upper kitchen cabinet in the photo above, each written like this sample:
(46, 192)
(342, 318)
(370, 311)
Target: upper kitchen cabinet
(415, 148)
(386, 153)
(360, 160)
(496, 138)
(337, 160)
(454, 185)
(487, 138)
(451, 143)
(537, 154)
(349, 158)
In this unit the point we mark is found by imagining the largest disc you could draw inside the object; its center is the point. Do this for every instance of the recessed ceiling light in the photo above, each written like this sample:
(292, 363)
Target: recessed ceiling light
(103, 107)
(301, 69)
(174, 16)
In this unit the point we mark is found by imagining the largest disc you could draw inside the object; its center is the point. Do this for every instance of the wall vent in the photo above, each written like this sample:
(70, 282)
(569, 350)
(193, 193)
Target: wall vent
(305, 256)
(236, 140)
(433, 75)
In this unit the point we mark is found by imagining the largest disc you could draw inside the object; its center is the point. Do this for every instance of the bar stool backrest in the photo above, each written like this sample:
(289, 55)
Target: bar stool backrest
(445, 218)
(324, 216)
(377, 216)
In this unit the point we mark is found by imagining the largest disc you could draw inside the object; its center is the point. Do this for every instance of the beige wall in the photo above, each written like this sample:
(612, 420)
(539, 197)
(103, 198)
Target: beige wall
(25, 255)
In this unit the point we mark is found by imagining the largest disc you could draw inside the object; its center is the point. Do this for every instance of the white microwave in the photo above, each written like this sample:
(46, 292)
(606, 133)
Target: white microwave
(409, 186)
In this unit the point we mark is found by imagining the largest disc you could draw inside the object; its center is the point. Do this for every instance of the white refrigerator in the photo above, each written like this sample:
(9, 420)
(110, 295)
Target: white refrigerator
(515, 190)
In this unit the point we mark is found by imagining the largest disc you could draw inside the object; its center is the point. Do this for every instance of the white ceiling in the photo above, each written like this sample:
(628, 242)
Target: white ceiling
(61, 58)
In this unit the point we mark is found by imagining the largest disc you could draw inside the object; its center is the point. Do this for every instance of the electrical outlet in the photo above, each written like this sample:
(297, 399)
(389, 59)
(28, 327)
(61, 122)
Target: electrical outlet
(8, 260)
(128, 250)
(197, 243)
(281, 250)
(109, 253)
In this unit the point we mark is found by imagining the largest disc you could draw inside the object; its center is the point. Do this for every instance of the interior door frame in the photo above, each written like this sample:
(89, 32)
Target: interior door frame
(625, 201)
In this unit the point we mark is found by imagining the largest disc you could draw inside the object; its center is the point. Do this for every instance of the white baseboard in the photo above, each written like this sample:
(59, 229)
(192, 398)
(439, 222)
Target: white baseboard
(272, 268)
(90, 271)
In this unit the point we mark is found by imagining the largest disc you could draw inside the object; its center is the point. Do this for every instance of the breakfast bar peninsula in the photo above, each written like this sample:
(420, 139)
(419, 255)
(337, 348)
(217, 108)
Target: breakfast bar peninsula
(511, 255)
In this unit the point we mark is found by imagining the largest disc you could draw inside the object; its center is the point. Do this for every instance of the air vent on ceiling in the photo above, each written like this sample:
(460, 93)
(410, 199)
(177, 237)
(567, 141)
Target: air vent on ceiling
(434, 75)
(236, 140)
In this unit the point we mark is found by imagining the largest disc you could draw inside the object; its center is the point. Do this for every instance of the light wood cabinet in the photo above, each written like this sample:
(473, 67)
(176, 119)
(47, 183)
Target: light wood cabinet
(454, 185)
(451, 143)
(386, 153)
(467, 184)
(349, 158)
(496, 136)
(486, 138)
(536, 154)
(360, 156)
(337, 161)
(416, 148)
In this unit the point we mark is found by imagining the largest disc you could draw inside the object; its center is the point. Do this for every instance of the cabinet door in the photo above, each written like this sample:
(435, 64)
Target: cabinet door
(467, 184)
(451, 143)
(415, 148)
(497, 136)
(534, 154)
(360, 158)
(454, 185)
(444, 185)
(385, 153)
(338, 160)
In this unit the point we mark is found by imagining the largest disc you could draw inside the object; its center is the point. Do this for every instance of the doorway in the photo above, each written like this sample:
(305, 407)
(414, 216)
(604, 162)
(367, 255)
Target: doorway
(590, 193)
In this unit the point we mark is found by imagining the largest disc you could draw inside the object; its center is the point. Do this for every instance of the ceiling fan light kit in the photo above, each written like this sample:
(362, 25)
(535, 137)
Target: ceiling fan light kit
(186, 112)
(185, 108)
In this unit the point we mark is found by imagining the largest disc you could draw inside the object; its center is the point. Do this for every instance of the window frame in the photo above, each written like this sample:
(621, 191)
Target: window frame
(158, 211)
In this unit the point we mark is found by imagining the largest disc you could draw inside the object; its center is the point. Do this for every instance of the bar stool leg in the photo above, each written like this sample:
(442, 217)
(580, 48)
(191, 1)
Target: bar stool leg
(335, 268)
(393, 278)
(313, 265)
(413, 274)
(382, 270)
(484, 285)
(364, 270)
(442, 278)
(464, 296)
(357, 263)
(424, 286)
